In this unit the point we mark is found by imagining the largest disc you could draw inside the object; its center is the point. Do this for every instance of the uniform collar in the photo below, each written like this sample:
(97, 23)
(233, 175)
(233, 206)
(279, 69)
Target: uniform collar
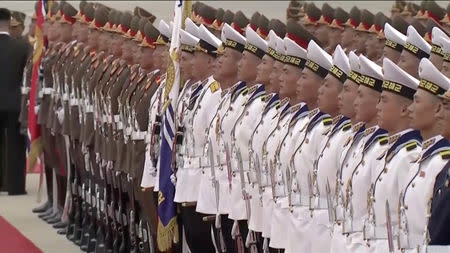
(256, 91)
(237, 89)
(433, 146)
(376, 134)
(272, 99)
(318, 117)
(408, 138)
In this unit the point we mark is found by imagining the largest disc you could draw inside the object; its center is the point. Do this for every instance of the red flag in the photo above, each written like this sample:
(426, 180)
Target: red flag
(34, 130)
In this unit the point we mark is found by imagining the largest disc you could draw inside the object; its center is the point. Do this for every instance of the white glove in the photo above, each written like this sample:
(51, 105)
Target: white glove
(36, 109)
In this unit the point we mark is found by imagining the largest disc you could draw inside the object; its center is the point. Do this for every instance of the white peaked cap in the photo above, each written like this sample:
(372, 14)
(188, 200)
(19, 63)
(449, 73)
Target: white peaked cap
(232, 38)
(319, 61)
(371, 74)
(394, 38)
(255, 44)
(293, 49)
(191, 27)
(164, 29)
(398, 81)
(281, 49)
(272, 39)
(445, 44)
(370, 68)
(295, 54)
(208, 37)
(340, 60)
(431, 79)
(188, 39)
(353, 60)
(417, 45)
(437, 37)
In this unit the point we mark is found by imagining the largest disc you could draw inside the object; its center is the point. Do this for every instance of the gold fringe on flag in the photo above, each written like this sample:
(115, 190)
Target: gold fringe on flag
(35, 152)
(167, 235)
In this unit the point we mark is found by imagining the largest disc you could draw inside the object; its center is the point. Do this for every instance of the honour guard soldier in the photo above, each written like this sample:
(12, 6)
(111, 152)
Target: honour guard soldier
(404, 146)
(306, 151)
(323, 26)
(362, 31)
(414, 50)
(331, 149)
(358, 162)
(437, 55)
(205, 104)
(214, 178)
(375, 41)
(394, 43)
(346, 108)
(336, 28)
(349, 35)
(415, 199)
(439, 218)
(312, 15)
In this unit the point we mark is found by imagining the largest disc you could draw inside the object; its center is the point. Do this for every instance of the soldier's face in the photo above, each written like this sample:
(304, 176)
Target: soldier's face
(365, 104)
(200, 61)
(185, 65)
(391, 54)
(247, 67)
(275, 76)
(288, 81)
(226, 64)
(307, 87)
(373, 47)
(328, 93)
(360, 42)
(390, 109)
(146, 58)
(66, 32)
(347, 98)
(423, 109)
(443, 116)
(334, 38)
(347, 37)
(32, 27)
(437, 60)
(116, 44)
(446, 69)
(322, 34)
(264, 69)
(93, 38)
(409, 63)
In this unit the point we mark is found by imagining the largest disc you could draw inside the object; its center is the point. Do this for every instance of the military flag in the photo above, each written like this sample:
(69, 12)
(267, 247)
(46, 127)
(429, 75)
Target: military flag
(167, 231)
(34, 131)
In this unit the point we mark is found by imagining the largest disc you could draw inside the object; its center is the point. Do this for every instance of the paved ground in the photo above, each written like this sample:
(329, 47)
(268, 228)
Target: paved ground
(17, 210)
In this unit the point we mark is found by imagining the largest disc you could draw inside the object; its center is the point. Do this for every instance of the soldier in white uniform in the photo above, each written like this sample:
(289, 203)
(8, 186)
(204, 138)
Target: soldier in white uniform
(346, 108)
(306, 149)
(238, 127)
(404, 147)
(202, 105)
(214, 194)
(437, 54)
(360, 160)
(414, 50)
(326, 164)
(415, 200)
(394, 43)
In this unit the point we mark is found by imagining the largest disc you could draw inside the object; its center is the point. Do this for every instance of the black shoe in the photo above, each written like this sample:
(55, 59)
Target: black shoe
(42, 208)
(48, 212)
(60, 225)
(84, 248)
(50, 217)
(61, 231)
(55, 219)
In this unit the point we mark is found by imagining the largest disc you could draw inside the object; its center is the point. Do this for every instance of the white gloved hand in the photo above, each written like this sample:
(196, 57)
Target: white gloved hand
(36, 109)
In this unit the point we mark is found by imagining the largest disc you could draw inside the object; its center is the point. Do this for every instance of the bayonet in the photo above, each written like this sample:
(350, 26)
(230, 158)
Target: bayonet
(228, 163)
(389, 228)
(329, 203)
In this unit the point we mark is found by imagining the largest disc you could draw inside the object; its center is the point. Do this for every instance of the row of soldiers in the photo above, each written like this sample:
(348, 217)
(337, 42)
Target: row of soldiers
(325, 134)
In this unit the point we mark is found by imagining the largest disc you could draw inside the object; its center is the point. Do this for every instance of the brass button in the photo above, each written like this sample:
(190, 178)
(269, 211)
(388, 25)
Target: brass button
(413, 184)
(379, 179)
(363, 163)
(357, 172)
(439, 191)
(385, 170)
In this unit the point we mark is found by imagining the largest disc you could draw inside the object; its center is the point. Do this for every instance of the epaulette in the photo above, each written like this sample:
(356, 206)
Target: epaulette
(214, 86)
(347, 127)
(76, 51)
(133, 76)
(327, 121)
(115, 68)
(445, 155)
(411, 145)
(141, 77)
(383, 140)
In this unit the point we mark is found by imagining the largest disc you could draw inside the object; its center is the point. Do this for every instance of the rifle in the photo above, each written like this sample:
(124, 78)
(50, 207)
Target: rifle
(228, 163)
(215, 184)
(259, 179)
(402, 239)
(329, 204)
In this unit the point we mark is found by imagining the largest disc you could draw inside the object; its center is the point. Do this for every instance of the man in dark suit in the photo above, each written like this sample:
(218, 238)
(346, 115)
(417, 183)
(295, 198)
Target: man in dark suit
(13, 57)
